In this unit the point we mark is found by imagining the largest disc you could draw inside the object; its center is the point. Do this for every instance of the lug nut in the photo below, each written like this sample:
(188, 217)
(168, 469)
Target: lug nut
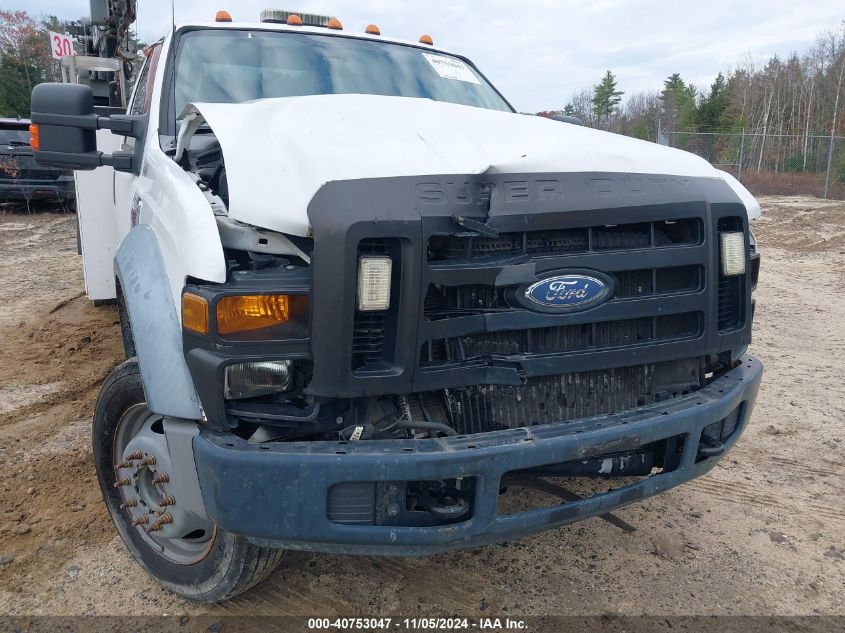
(124, 464)
(129, 503)
(123, 481)
(149, 460)
(167, 501)
(163, 520)
(134, 455)
(161, 478)
(141, 520)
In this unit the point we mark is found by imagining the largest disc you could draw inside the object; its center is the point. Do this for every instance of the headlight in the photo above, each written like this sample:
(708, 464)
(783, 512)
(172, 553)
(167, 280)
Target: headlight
(733, 254)
(374, 283)
(248, 380)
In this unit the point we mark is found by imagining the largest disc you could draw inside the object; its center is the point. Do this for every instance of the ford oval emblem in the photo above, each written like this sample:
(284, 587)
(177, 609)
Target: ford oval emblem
(568, 292)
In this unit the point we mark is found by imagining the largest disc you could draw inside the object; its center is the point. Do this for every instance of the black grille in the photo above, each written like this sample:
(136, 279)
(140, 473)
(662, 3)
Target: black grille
(450, 301)
(563, 241)
(367, 338)
(566, 338)
(570, 396)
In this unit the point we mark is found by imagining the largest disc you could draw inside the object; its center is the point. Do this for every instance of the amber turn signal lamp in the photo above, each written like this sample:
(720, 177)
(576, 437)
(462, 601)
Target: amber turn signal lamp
(222, 16)
(372, 29)
(294, 20)
(195, 313)
(426, 39)
(335, 24)
(34, 139)
(241, 313)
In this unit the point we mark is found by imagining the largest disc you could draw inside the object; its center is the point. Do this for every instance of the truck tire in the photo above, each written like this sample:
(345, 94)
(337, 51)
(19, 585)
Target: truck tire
(219, 567)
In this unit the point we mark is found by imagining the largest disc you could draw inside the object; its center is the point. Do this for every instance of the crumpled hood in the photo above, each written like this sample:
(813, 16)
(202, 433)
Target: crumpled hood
(279, 152)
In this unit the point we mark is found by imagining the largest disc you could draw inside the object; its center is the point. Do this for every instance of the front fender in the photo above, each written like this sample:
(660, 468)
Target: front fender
(156, 329)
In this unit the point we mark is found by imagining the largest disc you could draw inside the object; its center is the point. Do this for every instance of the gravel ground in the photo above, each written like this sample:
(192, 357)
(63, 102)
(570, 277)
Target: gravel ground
(761, 534)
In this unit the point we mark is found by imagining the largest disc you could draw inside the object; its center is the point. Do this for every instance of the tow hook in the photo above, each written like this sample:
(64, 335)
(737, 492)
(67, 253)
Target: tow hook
(446, 503)
(710, 447)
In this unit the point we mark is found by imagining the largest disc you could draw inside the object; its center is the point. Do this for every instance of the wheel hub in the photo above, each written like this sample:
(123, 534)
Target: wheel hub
(144, 478)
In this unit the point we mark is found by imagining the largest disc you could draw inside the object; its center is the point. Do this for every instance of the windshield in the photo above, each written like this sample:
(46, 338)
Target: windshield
(232, 66)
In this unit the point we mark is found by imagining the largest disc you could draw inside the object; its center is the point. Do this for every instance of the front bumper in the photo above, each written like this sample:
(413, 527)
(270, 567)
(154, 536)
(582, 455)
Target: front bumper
(277, 494)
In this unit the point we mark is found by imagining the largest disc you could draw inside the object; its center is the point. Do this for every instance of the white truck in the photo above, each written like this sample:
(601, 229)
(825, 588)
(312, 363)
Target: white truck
(361, 296)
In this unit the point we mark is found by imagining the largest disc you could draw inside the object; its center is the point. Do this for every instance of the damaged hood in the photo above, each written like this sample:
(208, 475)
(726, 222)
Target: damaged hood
(280, 152)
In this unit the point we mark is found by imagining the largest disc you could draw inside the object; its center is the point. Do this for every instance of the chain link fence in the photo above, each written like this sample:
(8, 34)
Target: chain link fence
(772, 164)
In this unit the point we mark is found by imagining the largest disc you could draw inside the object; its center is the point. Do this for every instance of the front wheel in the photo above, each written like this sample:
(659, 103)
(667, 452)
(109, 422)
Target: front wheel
(184, 552)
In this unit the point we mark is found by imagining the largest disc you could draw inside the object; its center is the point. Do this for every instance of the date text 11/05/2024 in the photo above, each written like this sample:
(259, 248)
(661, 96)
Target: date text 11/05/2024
(416, 624)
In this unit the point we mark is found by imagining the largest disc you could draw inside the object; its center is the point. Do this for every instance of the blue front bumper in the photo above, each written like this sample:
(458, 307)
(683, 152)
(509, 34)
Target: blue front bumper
(277, 494)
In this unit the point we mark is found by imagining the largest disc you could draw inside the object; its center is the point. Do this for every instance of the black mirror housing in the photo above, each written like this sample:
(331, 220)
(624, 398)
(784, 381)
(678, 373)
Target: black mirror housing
(67, 128)
(65, 145)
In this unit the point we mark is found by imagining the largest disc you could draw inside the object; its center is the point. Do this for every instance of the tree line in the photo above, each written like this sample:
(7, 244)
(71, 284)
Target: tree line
(799, 95)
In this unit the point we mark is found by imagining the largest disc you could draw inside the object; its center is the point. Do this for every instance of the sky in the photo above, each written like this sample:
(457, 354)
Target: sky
(538, 52)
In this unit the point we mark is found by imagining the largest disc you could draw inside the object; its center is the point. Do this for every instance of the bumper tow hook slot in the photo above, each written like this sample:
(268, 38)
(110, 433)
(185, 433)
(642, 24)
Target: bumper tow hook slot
(710, 447)
(448, 508)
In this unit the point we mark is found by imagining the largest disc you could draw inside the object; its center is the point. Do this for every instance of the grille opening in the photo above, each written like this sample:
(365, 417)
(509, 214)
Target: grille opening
(567, 241)
(562, 339)
(367, 338)
(679, 325)
(627, 332)
(561, 241)
(679, 279)
(674, 232)
(622, 236)
(634, 283)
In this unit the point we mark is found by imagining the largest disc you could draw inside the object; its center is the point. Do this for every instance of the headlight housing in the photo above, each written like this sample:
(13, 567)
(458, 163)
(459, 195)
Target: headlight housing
(249, 380)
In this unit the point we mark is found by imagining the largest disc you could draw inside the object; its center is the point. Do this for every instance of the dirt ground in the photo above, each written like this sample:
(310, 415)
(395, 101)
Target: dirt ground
(764, 533)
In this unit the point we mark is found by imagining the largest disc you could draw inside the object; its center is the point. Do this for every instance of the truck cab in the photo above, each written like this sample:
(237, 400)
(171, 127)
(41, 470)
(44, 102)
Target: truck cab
(361, 296)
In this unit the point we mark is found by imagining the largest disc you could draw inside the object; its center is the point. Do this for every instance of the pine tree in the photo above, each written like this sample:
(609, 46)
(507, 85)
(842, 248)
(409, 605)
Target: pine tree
(606, 98)
(711, 112)
(679, 109)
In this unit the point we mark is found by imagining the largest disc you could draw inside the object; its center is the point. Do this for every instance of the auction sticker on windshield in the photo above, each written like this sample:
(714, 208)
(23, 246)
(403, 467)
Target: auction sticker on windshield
(451, 68)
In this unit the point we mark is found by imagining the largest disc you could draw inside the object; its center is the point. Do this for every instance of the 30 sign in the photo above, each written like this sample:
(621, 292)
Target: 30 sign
(60, 45)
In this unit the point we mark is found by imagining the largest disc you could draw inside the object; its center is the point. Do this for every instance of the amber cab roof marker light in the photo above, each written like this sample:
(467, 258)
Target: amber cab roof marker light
(372, 29)
(426, 39)
(334, 24)
(222, 16)
(34, 139)
(294, 20)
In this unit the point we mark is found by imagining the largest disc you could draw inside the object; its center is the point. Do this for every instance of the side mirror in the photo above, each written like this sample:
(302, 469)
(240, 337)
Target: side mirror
(64, 128)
